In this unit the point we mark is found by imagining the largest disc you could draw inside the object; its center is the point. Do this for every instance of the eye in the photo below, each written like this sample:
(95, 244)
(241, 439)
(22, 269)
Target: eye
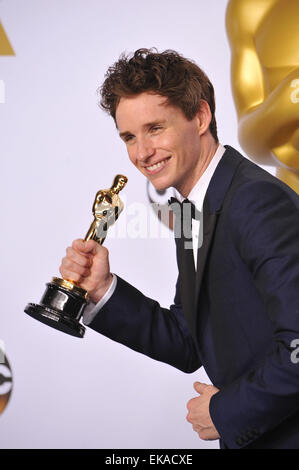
(156, 128)
(128, 138)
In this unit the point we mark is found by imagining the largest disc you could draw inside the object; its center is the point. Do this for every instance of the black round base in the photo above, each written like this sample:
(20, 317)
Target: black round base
(61, 307)
(55, 319)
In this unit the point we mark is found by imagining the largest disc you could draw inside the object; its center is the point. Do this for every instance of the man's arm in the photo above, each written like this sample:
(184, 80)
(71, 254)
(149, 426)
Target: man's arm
(265, 227)
(129, 317)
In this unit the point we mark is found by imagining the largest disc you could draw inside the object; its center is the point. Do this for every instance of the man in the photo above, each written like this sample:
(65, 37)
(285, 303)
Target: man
(236, 309)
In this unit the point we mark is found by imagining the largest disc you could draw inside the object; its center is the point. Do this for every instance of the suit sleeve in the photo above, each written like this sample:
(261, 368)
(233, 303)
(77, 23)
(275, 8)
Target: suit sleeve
(131, 318)
(265, 226)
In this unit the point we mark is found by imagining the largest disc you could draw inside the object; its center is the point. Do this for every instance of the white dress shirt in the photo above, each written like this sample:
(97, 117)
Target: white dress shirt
(196, 195)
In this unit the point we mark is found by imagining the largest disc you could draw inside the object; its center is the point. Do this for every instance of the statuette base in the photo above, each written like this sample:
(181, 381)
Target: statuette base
(61, 308)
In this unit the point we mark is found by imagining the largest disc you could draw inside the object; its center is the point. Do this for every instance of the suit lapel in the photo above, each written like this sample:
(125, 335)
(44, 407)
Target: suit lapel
(191, 282)
(208, 226)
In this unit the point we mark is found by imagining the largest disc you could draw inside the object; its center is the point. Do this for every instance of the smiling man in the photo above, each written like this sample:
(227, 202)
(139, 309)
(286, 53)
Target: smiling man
(162, 143)
(235, 310)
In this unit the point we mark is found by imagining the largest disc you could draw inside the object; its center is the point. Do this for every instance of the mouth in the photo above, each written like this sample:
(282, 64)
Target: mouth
(157, 167)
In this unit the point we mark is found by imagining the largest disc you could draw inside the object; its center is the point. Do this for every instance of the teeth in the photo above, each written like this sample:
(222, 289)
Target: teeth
(157, 165)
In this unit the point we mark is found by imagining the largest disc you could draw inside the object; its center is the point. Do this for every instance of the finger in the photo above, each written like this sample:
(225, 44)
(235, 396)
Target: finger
(207, 434)
(196, 427)
(195, 422)
(200, 387)
(85, 247)
(193, 403)
(84, 260)
(69, 267)
(71, 276)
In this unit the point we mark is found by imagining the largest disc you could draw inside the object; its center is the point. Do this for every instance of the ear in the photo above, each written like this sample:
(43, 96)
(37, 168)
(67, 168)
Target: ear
(204, 117)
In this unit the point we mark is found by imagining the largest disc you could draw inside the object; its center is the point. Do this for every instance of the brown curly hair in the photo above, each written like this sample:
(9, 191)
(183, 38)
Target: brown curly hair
(167, 73)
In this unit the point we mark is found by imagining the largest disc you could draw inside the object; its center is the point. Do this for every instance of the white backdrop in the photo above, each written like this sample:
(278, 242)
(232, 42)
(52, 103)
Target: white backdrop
(57, 149)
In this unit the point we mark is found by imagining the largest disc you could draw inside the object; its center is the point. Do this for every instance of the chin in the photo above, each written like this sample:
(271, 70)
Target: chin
(160, 185)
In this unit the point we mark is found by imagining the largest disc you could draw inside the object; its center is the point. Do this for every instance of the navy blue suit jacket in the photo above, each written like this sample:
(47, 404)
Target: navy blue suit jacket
(238, 315)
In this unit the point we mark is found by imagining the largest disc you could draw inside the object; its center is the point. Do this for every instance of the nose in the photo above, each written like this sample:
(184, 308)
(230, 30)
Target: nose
(144, 149)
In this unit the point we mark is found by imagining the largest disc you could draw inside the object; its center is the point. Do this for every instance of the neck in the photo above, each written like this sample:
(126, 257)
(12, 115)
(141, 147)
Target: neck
(207, 152)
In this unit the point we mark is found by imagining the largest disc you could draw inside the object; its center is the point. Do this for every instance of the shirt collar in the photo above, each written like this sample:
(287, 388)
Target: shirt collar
(198, 192)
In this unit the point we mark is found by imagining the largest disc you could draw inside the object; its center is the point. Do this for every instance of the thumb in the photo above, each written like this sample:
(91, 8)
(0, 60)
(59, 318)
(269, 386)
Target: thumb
(89, 247)
(200, 387)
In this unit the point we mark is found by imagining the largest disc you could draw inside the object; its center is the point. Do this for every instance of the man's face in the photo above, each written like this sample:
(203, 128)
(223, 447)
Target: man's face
(161, 142)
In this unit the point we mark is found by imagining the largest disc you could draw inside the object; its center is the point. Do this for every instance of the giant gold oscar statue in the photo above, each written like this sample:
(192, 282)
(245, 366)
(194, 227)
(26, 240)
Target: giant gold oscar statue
(63, 302)
(264, 41)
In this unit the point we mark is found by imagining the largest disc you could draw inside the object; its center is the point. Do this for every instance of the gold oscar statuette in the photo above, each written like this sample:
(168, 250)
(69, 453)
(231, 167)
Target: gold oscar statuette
(264, 39)
(64, 301)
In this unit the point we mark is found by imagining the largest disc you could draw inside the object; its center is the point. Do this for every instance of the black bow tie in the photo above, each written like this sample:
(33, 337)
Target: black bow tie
(184, 212)
(185, 206)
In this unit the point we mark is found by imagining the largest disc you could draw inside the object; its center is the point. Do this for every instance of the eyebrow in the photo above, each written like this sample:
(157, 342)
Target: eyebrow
(148, 125)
